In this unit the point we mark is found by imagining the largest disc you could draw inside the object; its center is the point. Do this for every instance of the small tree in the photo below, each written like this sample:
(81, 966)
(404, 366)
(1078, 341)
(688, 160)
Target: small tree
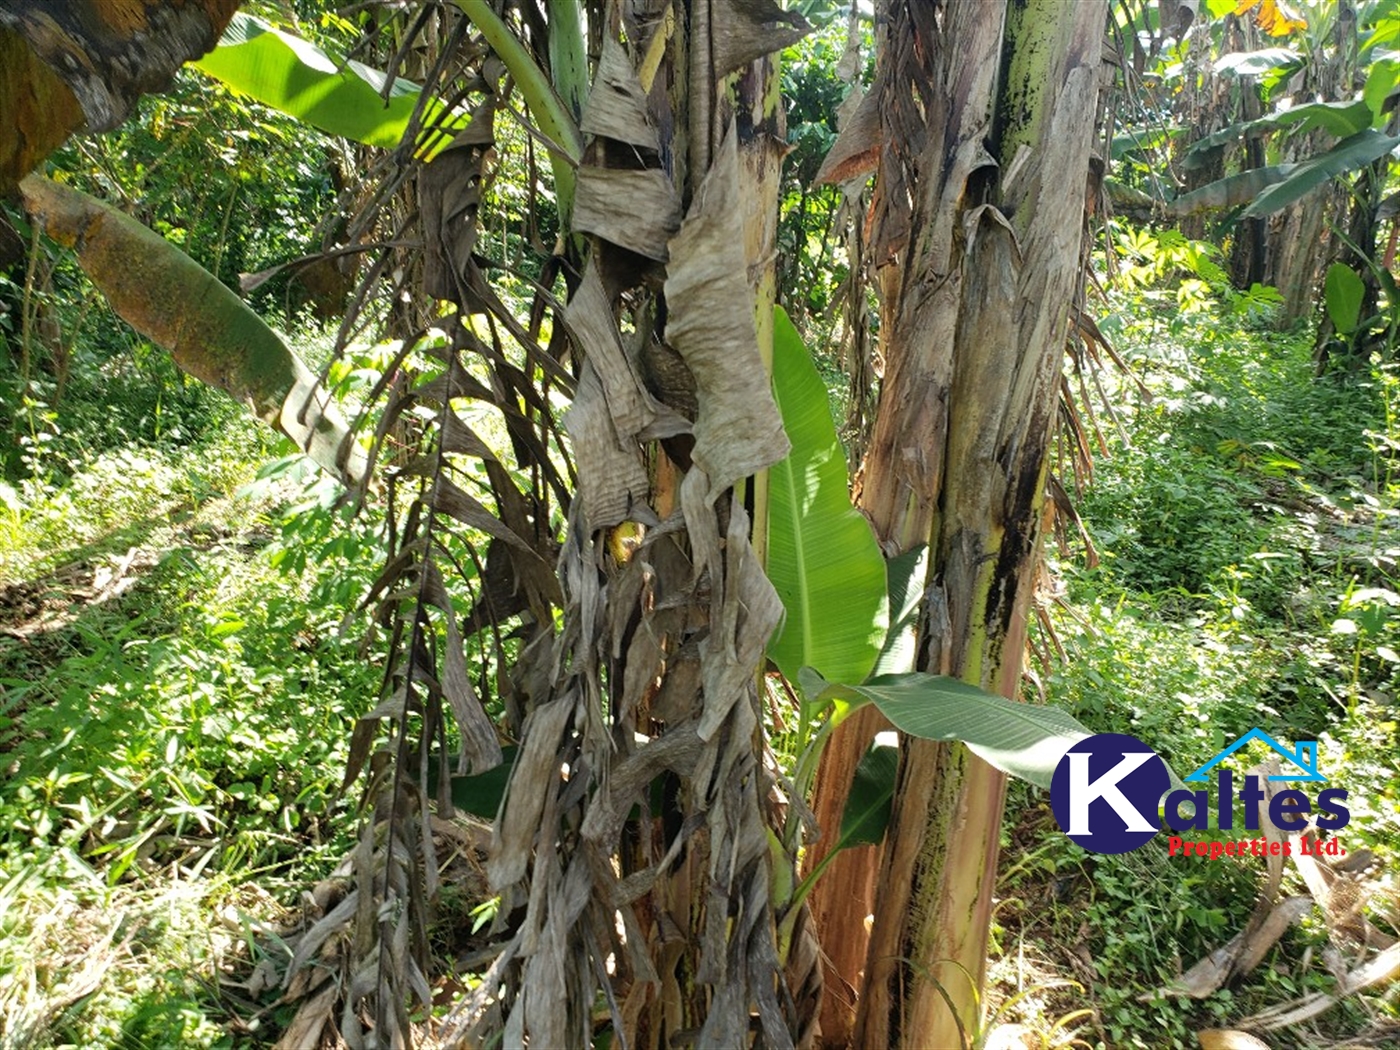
(987, 119)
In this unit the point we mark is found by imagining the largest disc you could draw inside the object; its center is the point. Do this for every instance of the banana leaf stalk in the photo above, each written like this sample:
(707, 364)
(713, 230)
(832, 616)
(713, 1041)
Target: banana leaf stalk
(209, 331)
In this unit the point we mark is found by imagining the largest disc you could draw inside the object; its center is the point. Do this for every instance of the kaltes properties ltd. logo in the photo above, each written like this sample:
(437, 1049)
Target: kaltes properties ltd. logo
(1108, 795)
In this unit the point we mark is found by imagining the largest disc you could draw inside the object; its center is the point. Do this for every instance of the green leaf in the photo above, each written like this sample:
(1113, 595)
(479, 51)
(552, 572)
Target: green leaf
(905, 576)
(1342, 119)
(1141, 141)
(1231, 191)
(1380, 82)
(822, 556)
(1337, 118)
(294, 76)
(1253, 63)
(1386, 30)
(1203, 150)
(1024, 740)
(867, 812)
(480, 794)
(1361, 149)
(1343, 291)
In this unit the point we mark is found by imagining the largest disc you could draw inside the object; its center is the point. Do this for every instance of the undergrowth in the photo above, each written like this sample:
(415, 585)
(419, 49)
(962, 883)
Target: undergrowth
(1245, 521)
(177, 689)
(180, 667)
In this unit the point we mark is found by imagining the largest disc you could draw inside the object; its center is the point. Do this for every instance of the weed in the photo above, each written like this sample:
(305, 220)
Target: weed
(176, 693)
(1247, 579)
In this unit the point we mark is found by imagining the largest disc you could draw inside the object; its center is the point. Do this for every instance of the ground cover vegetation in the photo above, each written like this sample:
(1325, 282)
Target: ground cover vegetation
(532, 684)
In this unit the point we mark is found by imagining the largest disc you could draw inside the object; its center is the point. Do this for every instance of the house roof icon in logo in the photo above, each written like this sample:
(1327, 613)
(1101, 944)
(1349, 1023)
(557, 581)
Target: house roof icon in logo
(1304, 757)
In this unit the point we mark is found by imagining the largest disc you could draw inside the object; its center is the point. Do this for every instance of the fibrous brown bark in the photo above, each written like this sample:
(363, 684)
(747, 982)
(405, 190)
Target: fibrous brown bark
(649, 691)
(988, 113)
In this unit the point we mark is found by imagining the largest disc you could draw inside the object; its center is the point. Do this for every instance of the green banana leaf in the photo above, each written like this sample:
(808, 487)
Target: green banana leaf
(1231, 191)
(340, 97)
(1380, 83)
(906, 576)
(1342, 119)
(864, 819)
(1024, 740)
(479, 794)
(1343, 292)
(867, 812)
(1143, 140)
(1203, 149)
(210, 332)
(1363, 148)
(1253, 63)
(822, 556)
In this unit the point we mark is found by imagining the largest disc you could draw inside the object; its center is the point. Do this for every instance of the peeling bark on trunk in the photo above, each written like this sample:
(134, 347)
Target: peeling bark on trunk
(1020, 268)
(844, 895)
(980, 197)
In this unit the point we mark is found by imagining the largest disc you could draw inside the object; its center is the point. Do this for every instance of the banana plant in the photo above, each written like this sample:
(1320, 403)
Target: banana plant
(209, 331)
(847, 639)
(849, 635)
(1361, 128)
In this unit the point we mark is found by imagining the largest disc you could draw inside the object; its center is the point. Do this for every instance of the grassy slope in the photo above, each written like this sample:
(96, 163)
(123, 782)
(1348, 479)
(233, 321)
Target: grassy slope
(1240, 530)
(174, 707)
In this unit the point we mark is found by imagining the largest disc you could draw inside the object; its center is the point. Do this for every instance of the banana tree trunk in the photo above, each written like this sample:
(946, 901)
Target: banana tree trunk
(649, 870)
(1297, 242)
(980, 196)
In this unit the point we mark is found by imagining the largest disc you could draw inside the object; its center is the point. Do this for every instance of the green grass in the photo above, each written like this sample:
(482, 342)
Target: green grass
(176, 696)
(1249, 513)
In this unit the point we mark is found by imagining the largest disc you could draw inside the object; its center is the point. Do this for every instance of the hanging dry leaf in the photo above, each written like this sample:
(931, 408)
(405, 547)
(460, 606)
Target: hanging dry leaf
(614, 488)
(746, 30)
(536, 774)
(617, 107)
(590, 322)
(636, 210)
(449, 195)
(310, 1020)
(856, 150)
(481, 747)
(738, 429)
